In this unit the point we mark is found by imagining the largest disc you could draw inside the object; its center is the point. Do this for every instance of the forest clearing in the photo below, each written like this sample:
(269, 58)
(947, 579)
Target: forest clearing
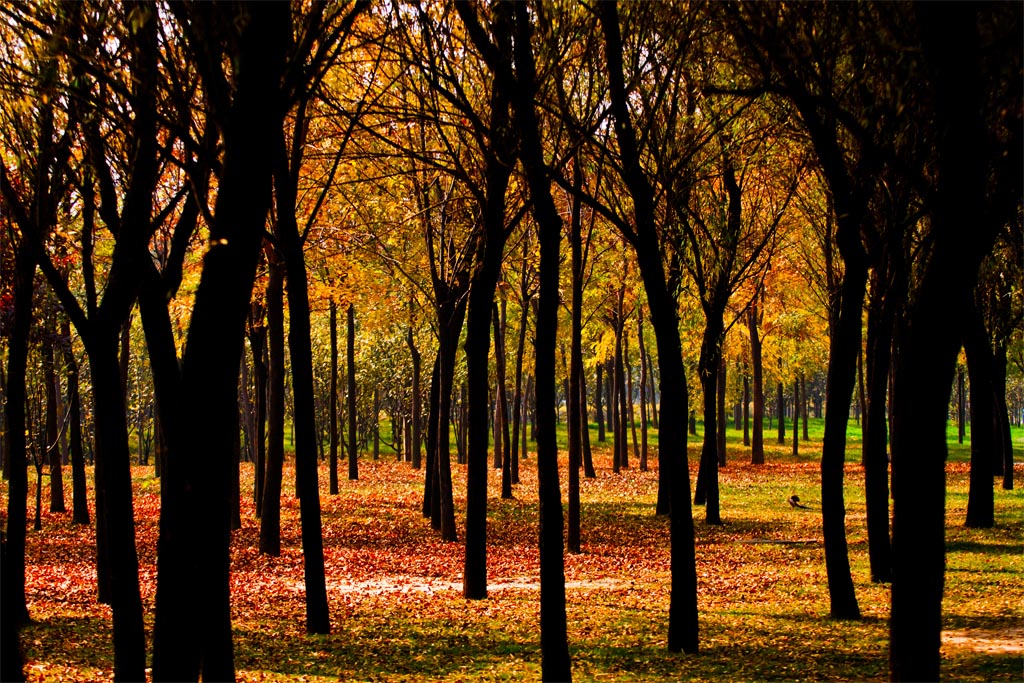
(398, 614)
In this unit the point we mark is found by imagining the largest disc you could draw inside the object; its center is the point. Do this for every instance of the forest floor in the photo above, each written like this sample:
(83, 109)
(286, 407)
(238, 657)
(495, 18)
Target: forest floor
(397, 612)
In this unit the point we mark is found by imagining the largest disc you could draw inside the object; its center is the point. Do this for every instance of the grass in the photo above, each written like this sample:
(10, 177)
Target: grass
(398, 614)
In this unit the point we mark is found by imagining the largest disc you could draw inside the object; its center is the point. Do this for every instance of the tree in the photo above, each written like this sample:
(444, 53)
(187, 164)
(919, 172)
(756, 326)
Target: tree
(672, 436)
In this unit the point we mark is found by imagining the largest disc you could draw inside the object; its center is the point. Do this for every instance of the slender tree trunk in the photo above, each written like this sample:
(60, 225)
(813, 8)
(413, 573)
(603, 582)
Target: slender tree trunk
(757, 438)
(303, 389)
(674, 479)
(643, 391)
(353, 446)
(332, 430)
(597, 403)
(842, 371)
(981, 497)
(555, 660)
(414, 445)
(53, 431)
(780, 402)
(79, 498)
(432, 437)
(1002, 416)
(270, 521)
(720, 434)
(796, 418)
(885, 297)
(803, 394)
(746, 410)
(961, 405)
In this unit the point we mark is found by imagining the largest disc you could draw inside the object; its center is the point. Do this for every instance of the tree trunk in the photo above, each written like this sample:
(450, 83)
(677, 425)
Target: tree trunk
(674, 478)
(839, 386)
(980, 497)
(414, 445)
(796, 418)
(303, 388)
(746, 410)
(270, 521)
(15, 606)
(114, 464)
(721, 412)
(757, 440)
(643, 390)
(598, 394)
(780, 403)
(961, 405)
(555, 661)
(332, 418)
(79, 497)
(53, 430)
(803, 394)
(353, 446)
(1002, 416)
(884, 299)
(518, 402)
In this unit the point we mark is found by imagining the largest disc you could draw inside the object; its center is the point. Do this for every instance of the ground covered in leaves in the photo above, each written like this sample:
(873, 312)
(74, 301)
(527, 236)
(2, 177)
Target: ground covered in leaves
(398, 614)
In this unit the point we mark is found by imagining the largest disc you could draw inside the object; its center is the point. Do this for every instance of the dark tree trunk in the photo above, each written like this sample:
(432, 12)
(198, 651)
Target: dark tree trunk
(1003, 440)
(353, 446)
(114, 464)
(258, 345)
(796, 417)
(746, 410)
(53, 430)
(414, 442)
(576, 398)
(270, 521)
(653, 392)
(721, 412)
(803, 394)
(885, 297)
(79, 497)
(757, 438)
(518, 400)
(961, 405)
(482, 309)
(303, 389)
(588, 459)
(643, 391)
(332, 417)
(214, 347)
(673, 478)
(598, 394)
(780, 402)
(442, 510)
(432, 437)
(928, 345)
(981, 497)
(502, 412)
(707, 491)
(839, 386)
(15, 606)
(631, 410)
(555, 662)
